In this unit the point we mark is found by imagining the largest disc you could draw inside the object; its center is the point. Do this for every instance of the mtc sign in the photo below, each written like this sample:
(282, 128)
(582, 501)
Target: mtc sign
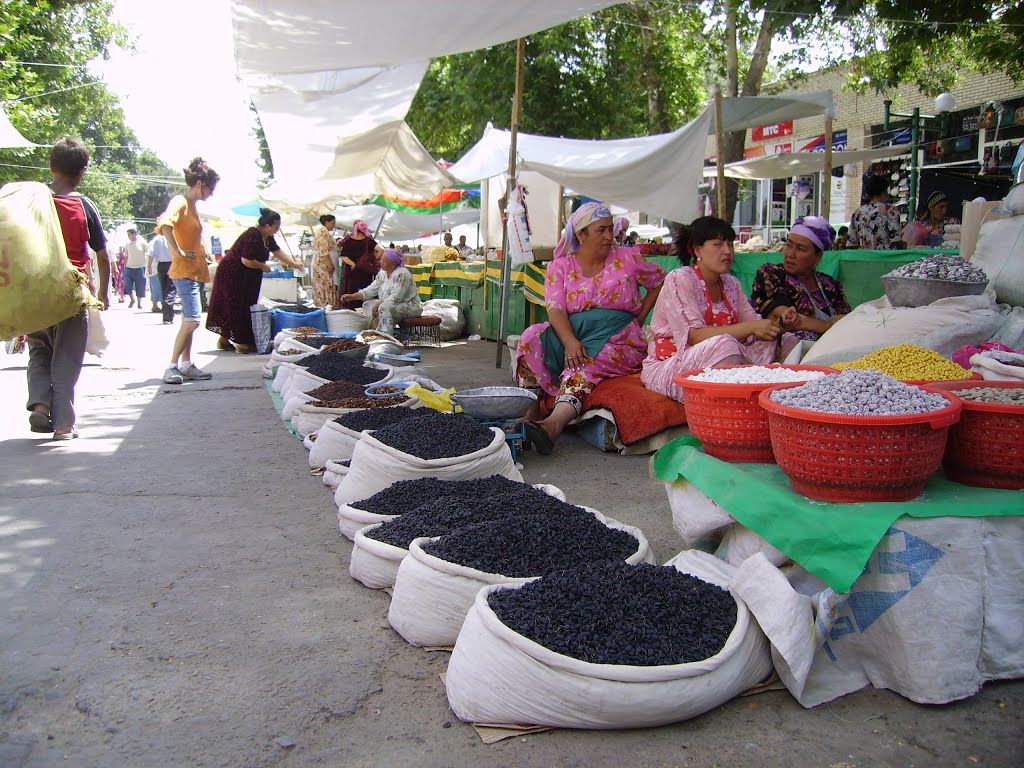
(773, 131)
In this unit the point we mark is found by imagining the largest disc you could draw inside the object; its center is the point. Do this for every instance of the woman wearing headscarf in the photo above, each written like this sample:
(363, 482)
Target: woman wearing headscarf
(325, 263)
(702, 319)
(358, 265)
(595, 315)
(396, 290)
(806, 301)
(236, 286)
(619, 230)
(876, 224)
(935, 219)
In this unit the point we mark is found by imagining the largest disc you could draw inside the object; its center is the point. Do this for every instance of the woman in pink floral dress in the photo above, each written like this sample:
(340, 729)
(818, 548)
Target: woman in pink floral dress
(595, 315)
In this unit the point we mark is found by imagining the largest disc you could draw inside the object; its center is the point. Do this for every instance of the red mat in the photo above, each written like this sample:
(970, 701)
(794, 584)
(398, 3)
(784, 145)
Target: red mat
(639, 413)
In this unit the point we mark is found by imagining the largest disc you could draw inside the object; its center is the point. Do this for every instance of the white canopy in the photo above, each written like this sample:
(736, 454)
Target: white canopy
(656, 174)
(410, 226)
(740, 113)
(10, 138)
(789, 164)
(272, 37)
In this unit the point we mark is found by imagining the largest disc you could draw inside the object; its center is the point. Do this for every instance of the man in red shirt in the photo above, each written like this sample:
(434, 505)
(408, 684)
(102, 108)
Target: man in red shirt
(56, 353)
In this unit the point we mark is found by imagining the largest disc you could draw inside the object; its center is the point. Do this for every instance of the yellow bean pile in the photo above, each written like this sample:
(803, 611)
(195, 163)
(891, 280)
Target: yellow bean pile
(908, 362)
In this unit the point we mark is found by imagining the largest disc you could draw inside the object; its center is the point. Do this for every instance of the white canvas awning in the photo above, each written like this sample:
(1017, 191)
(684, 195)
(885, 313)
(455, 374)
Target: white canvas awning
(410, 226)
(742, 112)
(10, 138)
(656, 174)
(789, 164)
(272, 37)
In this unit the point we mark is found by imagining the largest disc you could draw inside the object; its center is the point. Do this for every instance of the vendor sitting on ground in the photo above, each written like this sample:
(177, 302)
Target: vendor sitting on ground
(807, 302)
(396, 290)
(594, 329)
(702, 319)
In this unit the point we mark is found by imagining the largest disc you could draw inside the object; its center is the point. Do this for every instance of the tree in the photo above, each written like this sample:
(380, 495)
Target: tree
(632, 69)
(55, 95)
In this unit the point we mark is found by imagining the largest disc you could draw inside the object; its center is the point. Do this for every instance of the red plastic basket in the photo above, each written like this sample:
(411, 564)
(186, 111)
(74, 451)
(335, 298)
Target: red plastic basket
(839, 458)
(726, 417)
(986, 447)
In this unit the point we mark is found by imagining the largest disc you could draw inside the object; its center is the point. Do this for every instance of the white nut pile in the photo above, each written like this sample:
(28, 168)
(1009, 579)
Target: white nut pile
(941, 266)
(860, 393)
(754, 374)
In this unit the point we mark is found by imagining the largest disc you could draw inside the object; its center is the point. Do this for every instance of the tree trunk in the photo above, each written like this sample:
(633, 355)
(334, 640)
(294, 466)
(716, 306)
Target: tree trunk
(650, 78)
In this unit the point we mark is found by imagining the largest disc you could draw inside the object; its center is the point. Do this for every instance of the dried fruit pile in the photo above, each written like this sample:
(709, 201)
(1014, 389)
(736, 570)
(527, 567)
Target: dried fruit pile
(994, 395)
(343, 345)
(375, 418)
(406, 495)
(435, 435)
(615, 613)
(335, 366)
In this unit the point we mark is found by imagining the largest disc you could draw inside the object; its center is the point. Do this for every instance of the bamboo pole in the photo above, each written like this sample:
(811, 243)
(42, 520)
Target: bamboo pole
(506, 261)
(719, 146)
(826, 182)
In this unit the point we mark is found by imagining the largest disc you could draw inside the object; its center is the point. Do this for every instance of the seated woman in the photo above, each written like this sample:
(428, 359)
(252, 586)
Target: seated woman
(396, 289)
(595, 315)
(935, 219)
(702, 319)
(807, 301)
(237, 283)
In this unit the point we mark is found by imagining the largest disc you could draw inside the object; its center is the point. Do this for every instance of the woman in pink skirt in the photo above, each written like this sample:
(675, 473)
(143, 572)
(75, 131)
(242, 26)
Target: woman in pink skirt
(702, 318)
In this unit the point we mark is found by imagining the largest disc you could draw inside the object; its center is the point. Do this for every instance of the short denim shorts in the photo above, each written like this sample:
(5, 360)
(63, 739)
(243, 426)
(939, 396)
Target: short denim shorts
(188, 293)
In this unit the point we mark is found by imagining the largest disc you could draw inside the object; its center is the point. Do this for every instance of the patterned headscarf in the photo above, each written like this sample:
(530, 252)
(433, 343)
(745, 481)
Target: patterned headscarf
(360, 226)
(580, 220)
(394, 257)
(621, 224)
(816, 229)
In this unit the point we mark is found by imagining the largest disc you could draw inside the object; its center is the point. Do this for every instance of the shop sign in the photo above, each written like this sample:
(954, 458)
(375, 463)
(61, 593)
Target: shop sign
(817, 143)
(767, 150)
(773, 131)
(970, 124)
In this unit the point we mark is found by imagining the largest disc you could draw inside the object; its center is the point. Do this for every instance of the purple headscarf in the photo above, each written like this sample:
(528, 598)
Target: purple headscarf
(580, 220)
(621, 224)
(394, 257)
(816, 229)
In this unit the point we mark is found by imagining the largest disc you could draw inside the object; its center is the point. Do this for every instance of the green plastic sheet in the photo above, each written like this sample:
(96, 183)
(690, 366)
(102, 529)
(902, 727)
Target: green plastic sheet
(278, 401)
(832, 541)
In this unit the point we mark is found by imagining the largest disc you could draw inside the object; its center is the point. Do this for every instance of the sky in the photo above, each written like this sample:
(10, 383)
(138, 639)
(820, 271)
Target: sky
(190, 42)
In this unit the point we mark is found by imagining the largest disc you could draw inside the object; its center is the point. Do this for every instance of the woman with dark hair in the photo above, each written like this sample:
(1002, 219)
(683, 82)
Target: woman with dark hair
(359, 266)
(325, 263)
(876, 224)
(935, 219)
(236, 286)
(702, 318)
(795, 293)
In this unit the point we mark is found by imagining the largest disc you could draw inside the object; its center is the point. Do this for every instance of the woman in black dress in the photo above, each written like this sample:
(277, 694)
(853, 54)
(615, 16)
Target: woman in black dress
(359, 265)
(236, 286)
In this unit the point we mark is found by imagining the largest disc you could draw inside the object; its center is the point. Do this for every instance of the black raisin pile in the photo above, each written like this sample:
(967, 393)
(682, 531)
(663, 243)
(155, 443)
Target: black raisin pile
(300, 309)
(406, 495)
(316, 342)
(375, 418)
(437, 516)
(335, 366)
(615, 613)
(435, 435)
(534, 544)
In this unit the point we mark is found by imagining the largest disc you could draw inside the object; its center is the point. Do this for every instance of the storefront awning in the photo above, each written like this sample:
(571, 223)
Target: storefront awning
(791, 164)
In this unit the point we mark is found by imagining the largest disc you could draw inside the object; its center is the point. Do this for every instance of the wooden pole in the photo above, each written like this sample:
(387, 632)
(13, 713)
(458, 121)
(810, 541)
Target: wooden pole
(719, 146)
(826, 182)
(506, 261)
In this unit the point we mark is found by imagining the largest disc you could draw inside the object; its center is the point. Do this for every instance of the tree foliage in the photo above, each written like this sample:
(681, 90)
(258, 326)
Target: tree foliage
(45, 46)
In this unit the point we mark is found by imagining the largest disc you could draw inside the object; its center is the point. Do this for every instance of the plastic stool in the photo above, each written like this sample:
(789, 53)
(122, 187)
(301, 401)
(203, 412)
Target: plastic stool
(425, 328)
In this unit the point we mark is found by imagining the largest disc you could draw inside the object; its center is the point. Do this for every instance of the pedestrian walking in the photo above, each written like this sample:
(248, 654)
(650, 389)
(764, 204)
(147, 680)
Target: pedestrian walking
(158, 258)
(135, 269)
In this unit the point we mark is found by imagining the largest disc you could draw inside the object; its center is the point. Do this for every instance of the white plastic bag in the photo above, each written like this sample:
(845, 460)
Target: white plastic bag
(519, 248)
(991, 369)
(375, 466)
(433, 596)
(374, 563)
(346, 321)
(1000, 252)
(453, 321)
(496, 675)
(699, 521)
(96, 342)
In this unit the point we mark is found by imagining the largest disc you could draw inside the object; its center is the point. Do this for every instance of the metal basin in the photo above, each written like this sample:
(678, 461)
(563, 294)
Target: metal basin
(919, 292)
(495, 402)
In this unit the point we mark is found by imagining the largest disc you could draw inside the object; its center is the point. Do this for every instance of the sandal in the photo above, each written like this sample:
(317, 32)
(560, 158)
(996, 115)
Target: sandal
(40, 422)
(224, 344)
(539, 438)
(65, 434)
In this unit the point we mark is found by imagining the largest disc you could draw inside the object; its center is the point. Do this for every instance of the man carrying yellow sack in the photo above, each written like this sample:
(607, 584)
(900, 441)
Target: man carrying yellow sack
(55, 354)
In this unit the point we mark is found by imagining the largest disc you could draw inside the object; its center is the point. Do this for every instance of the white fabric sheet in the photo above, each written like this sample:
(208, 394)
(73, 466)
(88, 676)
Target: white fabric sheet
(799, 163)
(740, 113)
(10, 138)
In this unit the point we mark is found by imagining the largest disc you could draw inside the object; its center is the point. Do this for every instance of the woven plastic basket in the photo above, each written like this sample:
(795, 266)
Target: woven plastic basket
(727, 419)
(986, 447)
(839, 458)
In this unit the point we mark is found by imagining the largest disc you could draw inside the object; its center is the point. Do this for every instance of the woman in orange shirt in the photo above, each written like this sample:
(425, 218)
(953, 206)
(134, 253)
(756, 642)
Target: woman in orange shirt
(181, 226)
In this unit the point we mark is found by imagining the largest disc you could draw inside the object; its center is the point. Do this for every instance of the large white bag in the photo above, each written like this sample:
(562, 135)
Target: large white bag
(496, 675)
(433, 596)
(453, 321)
(346, 321)
(284, 373)
(292, 403)
(1000, 252)
(302, 381)
(374, 563)
(337, 444)
(938, 612)
(944, 326)
(699, 520)
(333, 473)
(375, 466)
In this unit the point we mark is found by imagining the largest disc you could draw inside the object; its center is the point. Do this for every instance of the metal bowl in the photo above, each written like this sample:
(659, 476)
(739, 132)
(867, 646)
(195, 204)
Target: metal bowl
(919, 292)
(495, 402)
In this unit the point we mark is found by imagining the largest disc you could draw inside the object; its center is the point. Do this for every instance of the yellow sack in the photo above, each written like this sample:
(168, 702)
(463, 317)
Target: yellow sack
(439, 401)
(39, 286)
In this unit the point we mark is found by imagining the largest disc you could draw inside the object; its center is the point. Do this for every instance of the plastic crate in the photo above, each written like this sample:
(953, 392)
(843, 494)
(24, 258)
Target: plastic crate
(845, 458)
(727, 418)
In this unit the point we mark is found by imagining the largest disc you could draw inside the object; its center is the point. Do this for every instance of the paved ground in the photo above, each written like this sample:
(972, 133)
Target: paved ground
(175, 592)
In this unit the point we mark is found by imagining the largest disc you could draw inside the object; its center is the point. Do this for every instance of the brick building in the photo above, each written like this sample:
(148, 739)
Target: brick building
(958, 155)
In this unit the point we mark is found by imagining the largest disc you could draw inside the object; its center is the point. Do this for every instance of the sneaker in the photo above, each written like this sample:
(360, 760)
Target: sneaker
(65, 434)
(39, 422)
(192, 373)
(173, 376)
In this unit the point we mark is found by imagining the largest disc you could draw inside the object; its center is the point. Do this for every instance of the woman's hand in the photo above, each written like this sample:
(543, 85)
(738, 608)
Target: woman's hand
(187, 254)
(351, 297)
(790, 319)
(575, 355)
(765, 330)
